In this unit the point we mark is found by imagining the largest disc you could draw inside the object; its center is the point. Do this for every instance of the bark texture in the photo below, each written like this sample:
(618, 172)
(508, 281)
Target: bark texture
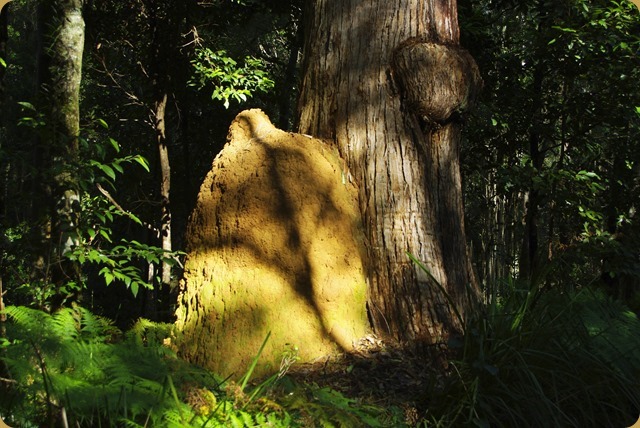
(60, 69)
(387, 83)
(165, 186)
(66, 70)
(274, 245)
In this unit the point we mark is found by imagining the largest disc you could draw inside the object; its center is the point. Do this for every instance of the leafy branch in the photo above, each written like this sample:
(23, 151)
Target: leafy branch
(229, 79)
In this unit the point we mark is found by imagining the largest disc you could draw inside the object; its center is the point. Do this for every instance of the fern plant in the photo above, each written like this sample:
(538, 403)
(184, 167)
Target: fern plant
(79, 362)
(75, 363)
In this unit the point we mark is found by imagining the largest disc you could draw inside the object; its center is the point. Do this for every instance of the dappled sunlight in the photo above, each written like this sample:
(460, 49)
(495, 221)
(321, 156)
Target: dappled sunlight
(380, 79)
(274, 244)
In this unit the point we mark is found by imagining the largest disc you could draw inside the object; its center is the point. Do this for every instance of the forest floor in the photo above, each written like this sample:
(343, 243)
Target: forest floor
(380, 373)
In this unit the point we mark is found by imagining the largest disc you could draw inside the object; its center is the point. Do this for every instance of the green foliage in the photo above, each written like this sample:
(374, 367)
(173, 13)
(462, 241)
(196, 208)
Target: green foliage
(79, 362)
(97, 168)
(76, 360)
(118, 263)
(326, 407)
(544, 358)
(117, 258)
(15, 257)
(229, 79)
(554, 137)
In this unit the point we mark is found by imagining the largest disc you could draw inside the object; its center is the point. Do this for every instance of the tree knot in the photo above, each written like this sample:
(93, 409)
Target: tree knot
(437, 81)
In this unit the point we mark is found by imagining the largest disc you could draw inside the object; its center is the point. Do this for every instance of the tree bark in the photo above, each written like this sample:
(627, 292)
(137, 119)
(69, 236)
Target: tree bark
(3, 54)
(386, 81)
(66, 71)
(288, 84)
(60, 75)
(165, 187)
(165, 18)
(4, 36)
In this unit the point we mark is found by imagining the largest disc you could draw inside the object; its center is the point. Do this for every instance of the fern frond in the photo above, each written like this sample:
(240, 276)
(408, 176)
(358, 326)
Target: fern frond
(94, 327)
(65, 324)
(27, 319)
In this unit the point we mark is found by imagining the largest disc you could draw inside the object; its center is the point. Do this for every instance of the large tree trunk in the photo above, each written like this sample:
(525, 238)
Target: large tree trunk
(386, 82)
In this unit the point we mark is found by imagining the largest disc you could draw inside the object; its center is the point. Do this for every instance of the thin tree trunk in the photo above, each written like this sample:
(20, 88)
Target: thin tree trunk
(385, 81)
(4, 36)
(288, 83)
(4, 167)
(166, 18)
(552, 238)
(529, 258)
(165, 187)
(3, 316)
(611, 278)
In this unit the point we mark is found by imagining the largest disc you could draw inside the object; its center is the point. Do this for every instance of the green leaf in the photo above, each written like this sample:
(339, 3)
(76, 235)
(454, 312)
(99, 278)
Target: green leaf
(134, 289)
(105, 235)
(27, 105)
(108, 171)
(135, 219)
(115, 145)
(117, 167)
(108, 276)
(142, 161)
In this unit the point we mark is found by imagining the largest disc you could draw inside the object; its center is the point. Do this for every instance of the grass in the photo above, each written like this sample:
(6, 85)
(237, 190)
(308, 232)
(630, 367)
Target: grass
(544, 358)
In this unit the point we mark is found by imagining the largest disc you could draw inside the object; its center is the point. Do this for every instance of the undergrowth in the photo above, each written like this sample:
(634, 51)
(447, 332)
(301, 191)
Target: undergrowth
(73, 368)
(532, 358)
(543, 358)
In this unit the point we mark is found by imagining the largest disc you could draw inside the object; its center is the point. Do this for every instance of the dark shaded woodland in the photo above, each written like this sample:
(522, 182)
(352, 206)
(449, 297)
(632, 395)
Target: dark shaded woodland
(488, 151)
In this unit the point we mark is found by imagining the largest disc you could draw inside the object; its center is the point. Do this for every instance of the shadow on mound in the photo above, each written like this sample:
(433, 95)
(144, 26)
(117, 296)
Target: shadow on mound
(274, 244)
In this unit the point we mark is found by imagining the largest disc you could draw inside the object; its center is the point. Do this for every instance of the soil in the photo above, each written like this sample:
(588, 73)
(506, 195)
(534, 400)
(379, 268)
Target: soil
(380, 373)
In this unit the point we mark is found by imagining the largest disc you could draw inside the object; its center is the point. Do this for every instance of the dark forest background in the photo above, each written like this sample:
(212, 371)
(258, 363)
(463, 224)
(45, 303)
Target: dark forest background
(551, 168)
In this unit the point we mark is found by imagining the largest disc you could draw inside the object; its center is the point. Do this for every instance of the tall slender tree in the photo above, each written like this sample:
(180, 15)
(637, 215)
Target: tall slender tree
(3, 50)
(60, 74)
(165, 37)
(388, 83)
